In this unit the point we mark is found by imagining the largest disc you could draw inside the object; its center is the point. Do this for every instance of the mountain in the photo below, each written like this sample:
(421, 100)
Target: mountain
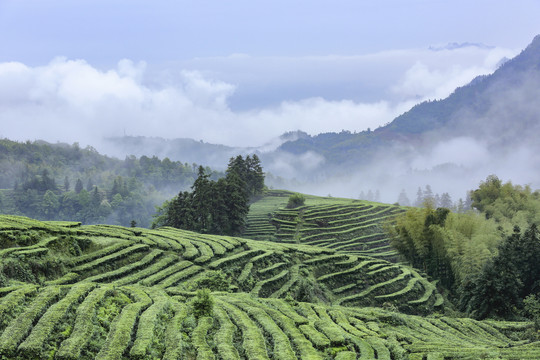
(186, 150)
(488, 126)
(189, 150)
(476, 98)
(473, 108)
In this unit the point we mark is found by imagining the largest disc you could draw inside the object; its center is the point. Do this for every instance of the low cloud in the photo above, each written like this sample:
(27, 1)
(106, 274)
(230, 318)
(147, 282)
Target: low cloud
(460, 151)
(71, 100)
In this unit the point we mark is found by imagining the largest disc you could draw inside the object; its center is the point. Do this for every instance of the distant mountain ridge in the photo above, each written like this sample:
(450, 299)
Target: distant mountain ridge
(464, 110)
(488, 126)
(461, 113)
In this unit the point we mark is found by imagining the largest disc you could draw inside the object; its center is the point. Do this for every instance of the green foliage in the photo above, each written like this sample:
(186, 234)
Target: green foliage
(531, 307)
(512, 275)
(151, 319)
(119, 336)
(450, 247)
(510, 205)
(202, 303)
(296, 200)
(117, 192)
(151, 327)
(204, 352)
(213, 280)
(18, 329)
(32, 346)
(215, 207)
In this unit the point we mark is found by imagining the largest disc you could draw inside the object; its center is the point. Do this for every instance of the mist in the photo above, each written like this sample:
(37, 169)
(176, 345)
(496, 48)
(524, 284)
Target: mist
(498, 135)
(206, 102)
(238, 101)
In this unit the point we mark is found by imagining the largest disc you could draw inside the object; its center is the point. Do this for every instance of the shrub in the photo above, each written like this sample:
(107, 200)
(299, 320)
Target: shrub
(213, 280)
(296, 200)
(202, 303)
(532, 309)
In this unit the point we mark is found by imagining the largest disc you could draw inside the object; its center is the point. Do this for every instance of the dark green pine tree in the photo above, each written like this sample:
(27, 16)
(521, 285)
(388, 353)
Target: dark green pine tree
(179, 212)
(236, 200)
(237, 165)
(525, 255)
(219, 210)
(78, 186)
(499, 289)
(217, 207)
(201, 202)
(66, 184)
(255, 175)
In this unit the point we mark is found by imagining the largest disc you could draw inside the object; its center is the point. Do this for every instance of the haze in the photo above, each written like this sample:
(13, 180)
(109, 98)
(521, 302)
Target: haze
(238, 73)
(242, 73)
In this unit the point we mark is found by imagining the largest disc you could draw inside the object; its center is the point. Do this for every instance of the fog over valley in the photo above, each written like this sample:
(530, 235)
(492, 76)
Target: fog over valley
(318, 107)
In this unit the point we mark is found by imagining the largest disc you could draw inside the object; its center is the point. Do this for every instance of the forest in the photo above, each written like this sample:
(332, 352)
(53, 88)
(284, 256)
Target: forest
(486, 260)
(58, 181)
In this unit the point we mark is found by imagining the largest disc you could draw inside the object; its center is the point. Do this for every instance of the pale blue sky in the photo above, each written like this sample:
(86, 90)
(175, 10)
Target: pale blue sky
(104, 31)
(239, 72)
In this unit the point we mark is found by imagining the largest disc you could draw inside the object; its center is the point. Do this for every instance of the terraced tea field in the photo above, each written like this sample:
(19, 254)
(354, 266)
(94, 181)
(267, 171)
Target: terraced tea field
(108, 292)
(351, 226)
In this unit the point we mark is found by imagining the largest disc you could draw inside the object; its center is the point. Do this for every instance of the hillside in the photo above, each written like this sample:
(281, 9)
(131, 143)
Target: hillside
(354, 226)
(108, 292)
(493, 120)
(499, 108)
(186, 150)
(60, 181)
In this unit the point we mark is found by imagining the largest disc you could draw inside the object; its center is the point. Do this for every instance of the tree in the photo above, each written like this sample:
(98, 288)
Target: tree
(370, 196)
(486, 194)
(428, 196)
(403, 200)
(236, 203)
(446, 201)
(296, 200)
(202, 303)
(201, 201)
(89, 185)
(255, 175)
(448, 246)
(419, 198)
(511, 276)
(217, 207)
(78, 186)
(532, 310)
(66, 184)
(49, 205)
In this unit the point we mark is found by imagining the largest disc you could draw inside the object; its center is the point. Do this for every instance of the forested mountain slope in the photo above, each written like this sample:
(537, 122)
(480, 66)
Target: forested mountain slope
(499, 108)
(60, 181)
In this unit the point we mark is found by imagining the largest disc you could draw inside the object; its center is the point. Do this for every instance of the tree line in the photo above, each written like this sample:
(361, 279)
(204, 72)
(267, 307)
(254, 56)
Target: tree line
(215, 207)
(487, 259)
(66, 182)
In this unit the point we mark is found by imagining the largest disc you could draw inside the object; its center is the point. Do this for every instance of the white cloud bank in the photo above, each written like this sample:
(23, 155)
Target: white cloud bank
(70, 100)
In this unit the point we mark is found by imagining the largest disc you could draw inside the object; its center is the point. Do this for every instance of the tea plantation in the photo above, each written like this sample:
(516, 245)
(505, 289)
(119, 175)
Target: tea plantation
(321, 291)
(351, 226)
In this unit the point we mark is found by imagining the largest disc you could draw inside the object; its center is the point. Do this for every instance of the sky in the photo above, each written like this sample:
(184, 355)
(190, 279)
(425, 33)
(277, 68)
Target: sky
(240, 72)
